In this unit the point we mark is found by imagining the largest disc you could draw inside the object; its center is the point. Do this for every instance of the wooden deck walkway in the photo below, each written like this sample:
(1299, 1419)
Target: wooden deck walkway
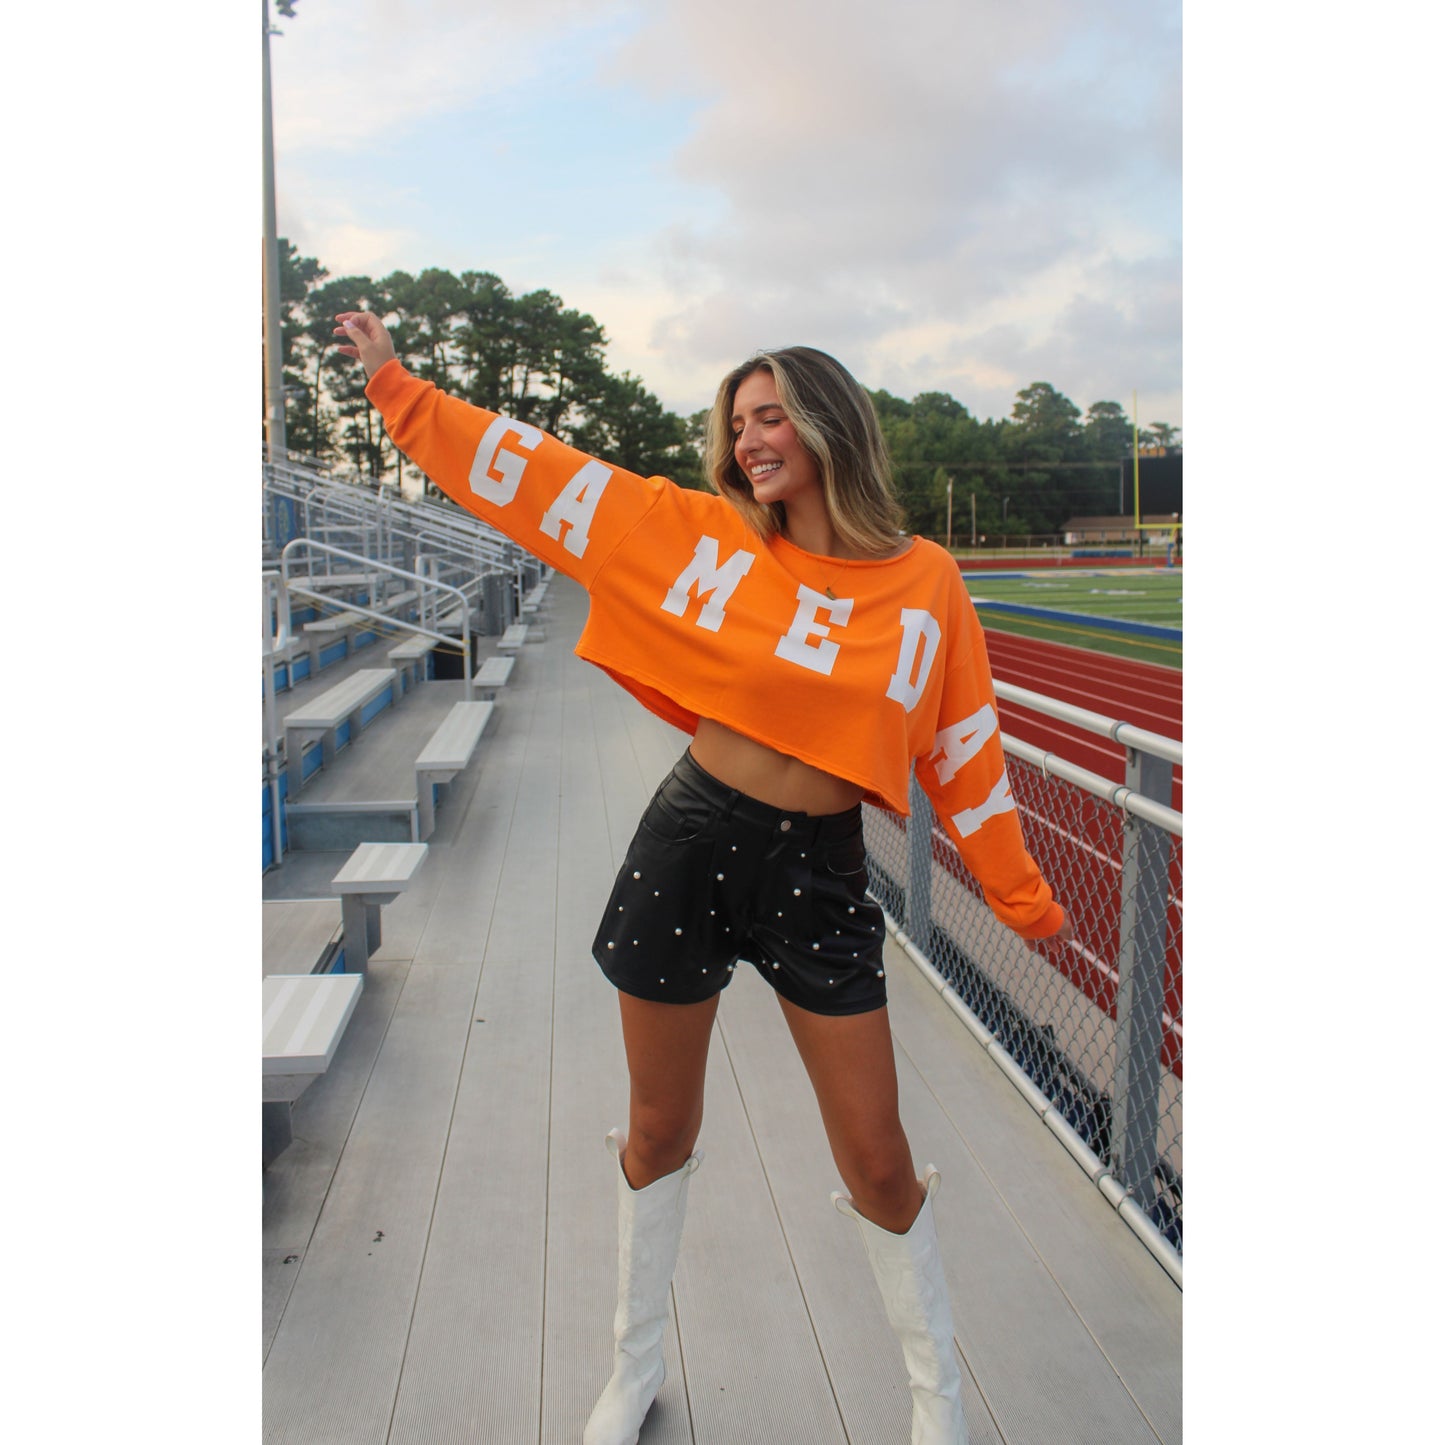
(438, 1240)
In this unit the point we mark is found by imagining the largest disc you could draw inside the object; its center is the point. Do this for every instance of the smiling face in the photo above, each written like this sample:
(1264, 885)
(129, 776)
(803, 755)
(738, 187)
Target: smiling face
(765, 446)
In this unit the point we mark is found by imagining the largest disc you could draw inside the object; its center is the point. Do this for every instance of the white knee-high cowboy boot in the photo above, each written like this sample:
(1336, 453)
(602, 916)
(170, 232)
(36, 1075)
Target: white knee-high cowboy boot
(649, 1230)
(909, 1271)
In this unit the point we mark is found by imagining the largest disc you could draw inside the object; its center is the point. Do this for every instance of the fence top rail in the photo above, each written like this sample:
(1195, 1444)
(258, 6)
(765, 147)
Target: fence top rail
(1129, 799)
(1155, 744)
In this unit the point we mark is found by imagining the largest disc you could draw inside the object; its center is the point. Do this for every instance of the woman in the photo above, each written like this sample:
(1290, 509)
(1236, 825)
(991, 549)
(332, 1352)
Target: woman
(812, 652)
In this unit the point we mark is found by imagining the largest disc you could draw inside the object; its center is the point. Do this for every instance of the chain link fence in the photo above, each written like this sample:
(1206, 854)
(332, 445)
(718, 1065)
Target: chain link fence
(1096, 1026)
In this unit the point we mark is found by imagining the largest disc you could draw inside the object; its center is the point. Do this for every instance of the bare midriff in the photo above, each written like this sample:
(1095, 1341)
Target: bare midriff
(767, 775)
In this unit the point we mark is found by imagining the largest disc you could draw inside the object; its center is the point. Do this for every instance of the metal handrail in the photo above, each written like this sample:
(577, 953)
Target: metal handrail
(298, 543)
(1155, 744)
(1136, 739)
(271, 581)
(1120, 794)
(361, 496)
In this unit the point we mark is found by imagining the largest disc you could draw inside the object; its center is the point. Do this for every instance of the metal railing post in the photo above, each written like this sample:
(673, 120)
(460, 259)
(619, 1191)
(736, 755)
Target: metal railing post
(918, 900)
(272, 585)
(283, 619)
(1139, 1004)
(429, 603)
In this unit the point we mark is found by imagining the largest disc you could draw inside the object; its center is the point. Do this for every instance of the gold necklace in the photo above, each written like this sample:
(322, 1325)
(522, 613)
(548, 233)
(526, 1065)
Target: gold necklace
(832, 576)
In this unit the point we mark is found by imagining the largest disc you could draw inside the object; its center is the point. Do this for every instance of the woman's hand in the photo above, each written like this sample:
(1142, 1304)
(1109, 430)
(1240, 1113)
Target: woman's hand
(1064, 933)
(368, 340)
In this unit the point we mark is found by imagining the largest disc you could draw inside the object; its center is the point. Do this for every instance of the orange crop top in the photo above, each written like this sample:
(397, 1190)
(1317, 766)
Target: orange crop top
(856, 667)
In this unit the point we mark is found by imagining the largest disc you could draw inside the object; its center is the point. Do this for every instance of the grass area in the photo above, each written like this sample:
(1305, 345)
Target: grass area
(1134, 596)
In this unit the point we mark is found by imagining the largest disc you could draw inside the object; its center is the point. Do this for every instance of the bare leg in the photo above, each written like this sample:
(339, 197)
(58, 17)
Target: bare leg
(666, 1060)
(850, 1063)
(666, 1047)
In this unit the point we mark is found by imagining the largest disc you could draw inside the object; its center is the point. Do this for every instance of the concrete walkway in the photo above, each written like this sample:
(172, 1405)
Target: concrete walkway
(439, 1239)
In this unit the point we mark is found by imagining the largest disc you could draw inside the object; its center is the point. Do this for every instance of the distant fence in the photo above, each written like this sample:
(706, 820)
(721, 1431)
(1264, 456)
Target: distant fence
(1028, 554)
(1091, 1032)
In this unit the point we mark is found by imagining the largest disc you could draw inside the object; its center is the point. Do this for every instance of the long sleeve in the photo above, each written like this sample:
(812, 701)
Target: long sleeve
(966, 778)
(567, 508)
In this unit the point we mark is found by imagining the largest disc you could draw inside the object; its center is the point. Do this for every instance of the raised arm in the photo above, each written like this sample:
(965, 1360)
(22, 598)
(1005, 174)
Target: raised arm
(567, 508)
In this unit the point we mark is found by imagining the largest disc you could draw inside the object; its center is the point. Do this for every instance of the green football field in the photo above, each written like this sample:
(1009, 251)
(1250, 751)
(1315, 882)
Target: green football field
(1127, 595)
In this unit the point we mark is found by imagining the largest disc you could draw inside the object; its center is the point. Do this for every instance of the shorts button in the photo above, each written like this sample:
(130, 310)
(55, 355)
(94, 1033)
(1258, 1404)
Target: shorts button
(785, 825)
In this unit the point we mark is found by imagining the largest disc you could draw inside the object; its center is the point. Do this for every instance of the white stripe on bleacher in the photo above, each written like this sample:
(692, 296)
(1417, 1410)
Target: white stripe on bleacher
(279, 1003)
(323, 997)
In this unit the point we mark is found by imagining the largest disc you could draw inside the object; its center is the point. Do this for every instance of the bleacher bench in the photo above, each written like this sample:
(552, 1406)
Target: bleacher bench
(372, 876)
(493, 674)
(448, 751)
(322, 581)
(513, 637)
(302, 1019)
(534, 611)
(304, 1014)
(300, 935)
(325, 631)
(322, 716)
(408, 659)
(396, 603)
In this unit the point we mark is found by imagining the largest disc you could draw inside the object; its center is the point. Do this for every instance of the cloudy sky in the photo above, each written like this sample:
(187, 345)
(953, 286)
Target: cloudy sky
(955, 195)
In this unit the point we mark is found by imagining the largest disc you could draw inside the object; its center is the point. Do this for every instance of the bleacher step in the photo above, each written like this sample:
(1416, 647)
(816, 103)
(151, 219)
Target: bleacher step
(369, 793)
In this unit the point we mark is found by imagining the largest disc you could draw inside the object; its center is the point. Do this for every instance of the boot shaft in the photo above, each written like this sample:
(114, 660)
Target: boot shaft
(908, 1269)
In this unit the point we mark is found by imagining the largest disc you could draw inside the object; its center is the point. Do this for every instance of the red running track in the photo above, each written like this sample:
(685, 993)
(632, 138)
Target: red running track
(1141, 693)
(1150, 697)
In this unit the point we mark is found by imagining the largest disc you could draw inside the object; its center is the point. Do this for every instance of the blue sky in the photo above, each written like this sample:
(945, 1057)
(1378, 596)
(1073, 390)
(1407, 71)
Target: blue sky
(963, 197)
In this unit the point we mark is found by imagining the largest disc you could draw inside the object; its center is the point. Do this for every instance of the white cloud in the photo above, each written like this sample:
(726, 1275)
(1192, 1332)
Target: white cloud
(977, 181)
(355, 250)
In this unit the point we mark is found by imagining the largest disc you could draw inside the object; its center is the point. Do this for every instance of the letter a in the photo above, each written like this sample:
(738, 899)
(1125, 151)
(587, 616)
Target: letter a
(956, 745)
(576, 504)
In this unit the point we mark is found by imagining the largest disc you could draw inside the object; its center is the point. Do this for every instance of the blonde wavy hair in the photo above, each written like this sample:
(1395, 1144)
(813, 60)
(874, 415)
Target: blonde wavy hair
(835, 421)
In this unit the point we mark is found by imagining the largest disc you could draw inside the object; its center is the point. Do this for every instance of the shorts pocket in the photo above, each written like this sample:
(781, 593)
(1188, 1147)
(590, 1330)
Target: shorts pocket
(668, 822)
(847, 859)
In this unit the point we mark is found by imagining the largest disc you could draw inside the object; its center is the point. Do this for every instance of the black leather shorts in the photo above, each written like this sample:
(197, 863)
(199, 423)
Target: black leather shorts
(713, 877)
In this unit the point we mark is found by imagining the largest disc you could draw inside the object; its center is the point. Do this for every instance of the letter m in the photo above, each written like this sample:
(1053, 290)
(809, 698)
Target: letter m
(711, 581)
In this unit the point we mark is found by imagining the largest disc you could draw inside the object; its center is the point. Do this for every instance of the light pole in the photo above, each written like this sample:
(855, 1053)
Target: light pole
(270, 248)
(950, 514)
